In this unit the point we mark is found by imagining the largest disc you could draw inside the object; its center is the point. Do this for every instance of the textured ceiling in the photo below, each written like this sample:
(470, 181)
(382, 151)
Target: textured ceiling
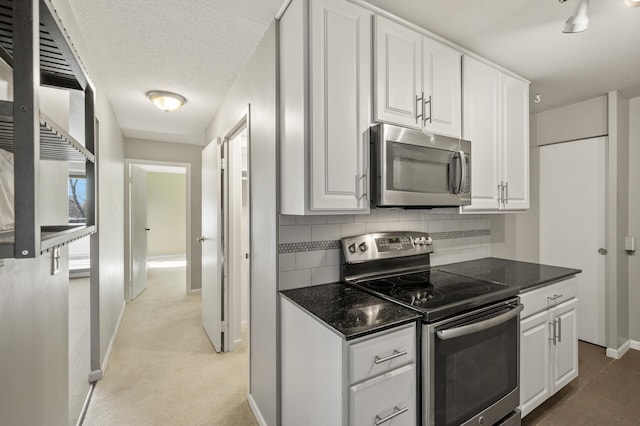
(198, 47)
(526, 37)
(195, 48)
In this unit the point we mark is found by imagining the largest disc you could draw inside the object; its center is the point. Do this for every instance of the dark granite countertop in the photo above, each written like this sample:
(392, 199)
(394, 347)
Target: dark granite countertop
(524, 275)
(350, 312)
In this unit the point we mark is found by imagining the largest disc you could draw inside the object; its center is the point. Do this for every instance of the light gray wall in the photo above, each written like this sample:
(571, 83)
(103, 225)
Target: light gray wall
(581, 120)
(138, 149)
(256, 85)
(166, 213)
(634, 218)
(517, 235)
(34, 342)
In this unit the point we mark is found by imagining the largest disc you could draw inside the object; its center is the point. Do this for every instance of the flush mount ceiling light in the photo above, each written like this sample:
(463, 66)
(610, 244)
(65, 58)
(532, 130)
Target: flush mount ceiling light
(579, 21)
(632, 3)
(166, 101)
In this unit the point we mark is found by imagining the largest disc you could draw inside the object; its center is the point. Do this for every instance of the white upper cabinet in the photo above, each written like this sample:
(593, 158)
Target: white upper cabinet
(441, 75)
(496, 121)
(325, 98)
(417, 80)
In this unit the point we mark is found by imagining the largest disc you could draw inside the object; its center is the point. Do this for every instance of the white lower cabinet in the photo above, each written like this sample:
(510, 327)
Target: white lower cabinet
(327, 380)
(548, 342)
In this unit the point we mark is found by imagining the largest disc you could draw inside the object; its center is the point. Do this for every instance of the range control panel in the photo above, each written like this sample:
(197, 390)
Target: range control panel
(385, 245)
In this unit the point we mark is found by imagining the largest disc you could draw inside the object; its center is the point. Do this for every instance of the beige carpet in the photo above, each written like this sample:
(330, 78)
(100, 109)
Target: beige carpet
(163, 369)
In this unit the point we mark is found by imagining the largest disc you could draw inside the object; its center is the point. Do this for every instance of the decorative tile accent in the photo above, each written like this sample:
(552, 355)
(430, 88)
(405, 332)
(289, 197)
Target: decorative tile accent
(309, 246)
(336, 244)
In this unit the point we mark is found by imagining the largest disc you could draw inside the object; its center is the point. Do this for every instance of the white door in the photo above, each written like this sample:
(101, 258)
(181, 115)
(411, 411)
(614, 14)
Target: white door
(565, 351)
(210, 240)
(515, 142)
(398, 74)
(535, 361)
(138, 229)
(572, 223)
(441, 81)
(341, 56)
(480, 125)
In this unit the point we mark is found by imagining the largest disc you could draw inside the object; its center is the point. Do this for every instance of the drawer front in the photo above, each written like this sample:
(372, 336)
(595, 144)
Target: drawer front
(548, 296)
(382, 353)
(389, 399)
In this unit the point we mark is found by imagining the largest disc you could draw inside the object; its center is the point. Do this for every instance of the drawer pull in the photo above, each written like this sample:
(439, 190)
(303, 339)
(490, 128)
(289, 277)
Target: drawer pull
(396, 412)
(554, 297)
(396, 354)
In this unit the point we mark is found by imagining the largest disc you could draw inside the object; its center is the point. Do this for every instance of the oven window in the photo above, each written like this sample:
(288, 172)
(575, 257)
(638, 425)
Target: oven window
(475, 371)
(412, 168)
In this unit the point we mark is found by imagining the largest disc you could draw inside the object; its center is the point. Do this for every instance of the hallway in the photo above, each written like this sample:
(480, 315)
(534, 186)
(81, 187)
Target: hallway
(163, 369)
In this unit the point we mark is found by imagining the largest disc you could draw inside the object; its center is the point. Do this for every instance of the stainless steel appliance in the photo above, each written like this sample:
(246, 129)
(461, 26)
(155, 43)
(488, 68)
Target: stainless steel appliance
(411, 168)
(470, 328)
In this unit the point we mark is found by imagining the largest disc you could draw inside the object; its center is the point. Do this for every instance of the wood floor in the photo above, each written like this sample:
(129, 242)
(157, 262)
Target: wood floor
(606, 392)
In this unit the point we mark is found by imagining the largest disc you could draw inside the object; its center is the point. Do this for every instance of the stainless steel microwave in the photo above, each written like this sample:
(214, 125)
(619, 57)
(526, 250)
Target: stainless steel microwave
(414, 169)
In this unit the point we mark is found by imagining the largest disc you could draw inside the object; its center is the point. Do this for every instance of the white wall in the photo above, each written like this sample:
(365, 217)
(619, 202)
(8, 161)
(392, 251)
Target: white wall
(138, 149)
(634, 218)
(256, 85)
(166, 213)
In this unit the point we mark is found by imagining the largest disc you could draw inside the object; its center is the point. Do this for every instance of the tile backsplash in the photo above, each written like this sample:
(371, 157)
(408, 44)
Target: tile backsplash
(309, 249)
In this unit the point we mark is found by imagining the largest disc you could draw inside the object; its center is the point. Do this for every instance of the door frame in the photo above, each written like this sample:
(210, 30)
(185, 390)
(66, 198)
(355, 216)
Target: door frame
(243, 123)
(128, 162)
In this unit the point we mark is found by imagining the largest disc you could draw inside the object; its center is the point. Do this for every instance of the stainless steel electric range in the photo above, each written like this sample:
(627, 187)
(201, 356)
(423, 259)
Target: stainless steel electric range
(470, 328)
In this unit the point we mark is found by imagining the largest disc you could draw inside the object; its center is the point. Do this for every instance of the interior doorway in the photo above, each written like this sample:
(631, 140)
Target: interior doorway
(226, 239)
(158, 221)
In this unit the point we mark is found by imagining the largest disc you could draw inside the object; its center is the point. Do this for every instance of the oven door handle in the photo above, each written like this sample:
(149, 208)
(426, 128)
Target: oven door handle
(479, 326)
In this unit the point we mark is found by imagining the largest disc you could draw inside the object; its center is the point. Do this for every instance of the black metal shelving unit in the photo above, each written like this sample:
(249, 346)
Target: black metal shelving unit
(37, 49)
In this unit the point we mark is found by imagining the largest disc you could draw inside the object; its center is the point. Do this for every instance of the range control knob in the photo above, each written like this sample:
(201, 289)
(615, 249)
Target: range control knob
(363, 246)
(429, 241)
(352, 248)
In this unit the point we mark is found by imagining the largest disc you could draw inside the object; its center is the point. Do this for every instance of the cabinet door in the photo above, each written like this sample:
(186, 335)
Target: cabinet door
(441, 82)
(392, 394)
(565, 351)
(340, 76)
(515, 142)
(480, 126)
(397, 74)
(535, 368)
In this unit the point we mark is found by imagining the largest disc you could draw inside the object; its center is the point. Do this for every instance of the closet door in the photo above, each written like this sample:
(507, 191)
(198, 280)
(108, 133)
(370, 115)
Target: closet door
(572, 223)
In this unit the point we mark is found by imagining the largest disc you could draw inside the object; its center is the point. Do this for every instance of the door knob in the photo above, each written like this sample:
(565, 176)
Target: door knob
(200, 239)
(602, 251)
(147, 229)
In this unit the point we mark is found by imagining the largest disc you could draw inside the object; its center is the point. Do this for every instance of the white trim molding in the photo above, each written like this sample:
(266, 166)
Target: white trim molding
(107, 355)
(618, 353)
(196, 291)
(634, 345)
(256, 411)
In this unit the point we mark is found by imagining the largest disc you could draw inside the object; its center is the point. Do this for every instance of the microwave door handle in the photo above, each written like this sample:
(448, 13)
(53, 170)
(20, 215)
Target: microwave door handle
(479, 326)
(463, 174)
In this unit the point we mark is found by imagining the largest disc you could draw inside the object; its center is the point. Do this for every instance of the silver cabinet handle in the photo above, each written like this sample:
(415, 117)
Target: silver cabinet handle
(554, 297)
(559, 329)
(553, 332)
(396, 412)
(396, 354)
(360, 191)
(429, 117)
(479, 326)
(200, 239)
(419, 99)
(506, 192)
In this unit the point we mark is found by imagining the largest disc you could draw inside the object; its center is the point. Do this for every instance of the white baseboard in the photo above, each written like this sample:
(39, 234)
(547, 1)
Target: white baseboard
(619, 352)
(195, 291)
(107, 356)
(634, 345)
(256, 411)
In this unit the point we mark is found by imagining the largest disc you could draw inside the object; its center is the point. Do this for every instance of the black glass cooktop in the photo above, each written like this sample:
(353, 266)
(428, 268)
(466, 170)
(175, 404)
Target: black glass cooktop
(437, 294)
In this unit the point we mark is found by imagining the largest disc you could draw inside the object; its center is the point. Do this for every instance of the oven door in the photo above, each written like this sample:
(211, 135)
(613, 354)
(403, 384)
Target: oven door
(472, 371)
